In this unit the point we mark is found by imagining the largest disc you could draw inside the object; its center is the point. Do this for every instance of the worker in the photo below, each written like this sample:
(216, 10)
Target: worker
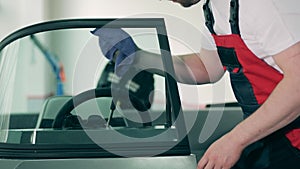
(257, 42)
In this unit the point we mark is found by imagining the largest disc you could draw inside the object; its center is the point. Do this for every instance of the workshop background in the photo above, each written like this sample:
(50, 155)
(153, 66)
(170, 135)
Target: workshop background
(21, 13)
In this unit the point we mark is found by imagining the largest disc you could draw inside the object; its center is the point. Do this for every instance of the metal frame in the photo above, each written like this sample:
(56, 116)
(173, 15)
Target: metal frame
(174, 103)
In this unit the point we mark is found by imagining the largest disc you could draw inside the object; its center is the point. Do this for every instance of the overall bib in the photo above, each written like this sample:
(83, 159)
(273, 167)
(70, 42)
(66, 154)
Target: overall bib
(252, 81)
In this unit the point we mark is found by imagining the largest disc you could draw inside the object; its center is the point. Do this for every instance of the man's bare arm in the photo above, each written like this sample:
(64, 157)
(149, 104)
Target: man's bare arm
(283, 105)
(197, 68)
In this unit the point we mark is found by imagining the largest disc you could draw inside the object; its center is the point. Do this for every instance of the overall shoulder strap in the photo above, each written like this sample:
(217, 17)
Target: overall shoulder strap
(234, 17)
(209, 18)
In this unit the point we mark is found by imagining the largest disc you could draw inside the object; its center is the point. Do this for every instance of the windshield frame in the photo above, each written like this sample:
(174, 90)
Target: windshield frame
(173, 103)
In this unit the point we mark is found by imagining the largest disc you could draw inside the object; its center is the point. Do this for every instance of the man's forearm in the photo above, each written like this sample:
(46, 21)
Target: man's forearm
(282, 106)
(280, 109)
(184, 72)
(189, 69)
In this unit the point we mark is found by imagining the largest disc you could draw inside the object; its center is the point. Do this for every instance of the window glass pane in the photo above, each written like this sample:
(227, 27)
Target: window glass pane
(43, 71)
(61, 91)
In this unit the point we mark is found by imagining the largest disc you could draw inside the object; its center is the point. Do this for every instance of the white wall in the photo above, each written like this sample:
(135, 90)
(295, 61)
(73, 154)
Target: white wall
(19, 13)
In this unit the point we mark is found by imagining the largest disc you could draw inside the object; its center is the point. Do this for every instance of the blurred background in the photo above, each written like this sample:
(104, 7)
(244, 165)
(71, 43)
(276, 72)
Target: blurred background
(17, 14)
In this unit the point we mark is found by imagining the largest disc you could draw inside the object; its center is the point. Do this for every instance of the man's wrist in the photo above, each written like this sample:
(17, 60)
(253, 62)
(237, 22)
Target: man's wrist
(238, 137)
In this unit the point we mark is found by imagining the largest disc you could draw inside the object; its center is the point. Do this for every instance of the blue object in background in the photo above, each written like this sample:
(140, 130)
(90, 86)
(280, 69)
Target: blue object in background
(55, 64)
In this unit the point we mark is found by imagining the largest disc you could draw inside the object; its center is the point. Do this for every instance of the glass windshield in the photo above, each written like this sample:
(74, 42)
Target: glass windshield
(58, 88)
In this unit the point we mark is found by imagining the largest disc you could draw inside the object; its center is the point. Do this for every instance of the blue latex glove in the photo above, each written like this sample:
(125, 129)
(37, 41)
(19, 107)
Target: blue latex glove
(112, 40)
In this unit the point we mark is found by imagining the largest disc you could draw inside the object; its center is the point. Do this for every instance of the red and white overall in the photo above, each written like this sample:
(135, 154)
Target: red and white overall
(252, 81)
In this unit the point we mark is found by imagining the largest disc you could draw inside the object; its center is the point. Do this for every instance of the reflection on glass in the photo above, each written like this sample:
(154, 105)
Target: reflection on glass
(32, 66)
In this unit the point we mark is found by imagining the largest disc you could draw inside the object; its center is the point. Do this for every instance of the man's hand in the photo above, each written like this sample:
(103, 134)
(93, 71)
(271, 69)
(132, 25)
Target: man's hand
(222, 154)
(117, 46)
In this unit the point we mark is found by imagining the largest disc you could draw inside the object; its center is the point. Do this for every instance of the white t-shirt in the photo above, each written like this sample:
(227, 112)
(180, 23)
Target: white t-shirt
(267, 26)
